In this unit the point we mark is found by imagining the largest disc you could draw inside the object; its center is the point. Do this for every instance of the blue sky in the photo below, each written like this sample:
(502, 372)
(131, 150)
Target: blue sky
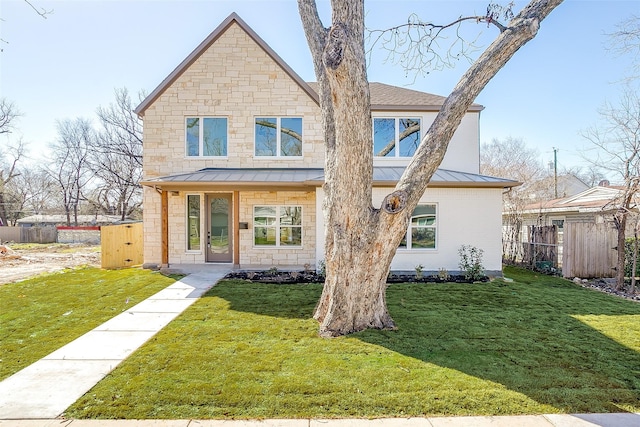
(67, 65)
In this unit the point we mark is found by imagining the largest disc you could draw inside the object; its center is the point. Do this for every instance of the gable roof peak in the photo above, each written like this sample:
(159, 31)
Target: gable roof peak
(232, 19)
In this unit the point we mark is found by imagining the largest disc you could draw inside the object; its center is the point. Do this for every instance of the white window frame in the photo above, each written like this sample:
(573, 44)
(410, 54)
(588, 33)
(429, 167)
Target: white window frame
(278, 137)
(396, 136)
(278, 227)
(409, 247)
(201, 137)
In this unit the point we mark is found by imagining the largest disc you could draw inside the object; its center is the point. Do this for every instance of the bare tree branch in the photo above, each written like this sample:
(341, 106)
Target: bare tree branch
(40, 11)
(8, 115)
(415, 45)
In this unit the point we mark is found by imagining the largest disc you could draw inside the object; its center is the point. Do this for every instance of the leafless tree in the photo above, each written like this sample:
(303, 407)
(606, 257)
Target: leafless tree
(10, 157)
(8, 115)
(116, 157)
(70, 167)
(361, 240)
(511, 158)
(615, 148)
(29, 193)
(121, 133)
(590, 174)
(625, 41)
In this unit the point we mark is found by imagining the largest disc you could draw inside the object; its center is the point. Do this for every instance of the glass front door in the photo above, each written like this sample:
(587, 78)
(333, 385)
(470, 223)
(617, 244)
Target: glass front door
(219, 228)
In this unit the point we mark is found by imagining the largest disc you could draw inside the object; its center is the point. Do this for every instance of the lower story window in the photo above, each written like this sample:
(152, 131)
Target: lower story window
(422, 229)
(193, 222)
(277, 225)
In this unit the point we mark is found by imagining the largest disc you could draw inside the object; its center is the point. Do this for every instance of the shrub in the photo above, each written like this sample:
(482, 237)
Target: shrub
(471, 262)
(628, 258)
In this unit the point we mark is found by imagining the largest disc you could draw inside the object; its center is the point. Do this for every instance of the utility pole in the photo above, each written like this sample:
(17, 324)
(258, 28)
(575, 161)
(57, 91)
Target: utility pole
(555, 172)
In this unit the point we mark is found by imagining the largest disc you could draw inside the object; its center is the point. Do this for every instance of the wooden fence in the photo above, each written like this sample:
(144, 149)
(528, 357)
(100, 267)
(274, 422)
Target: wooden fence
(589, 250)
(121, 245)
(28, 234)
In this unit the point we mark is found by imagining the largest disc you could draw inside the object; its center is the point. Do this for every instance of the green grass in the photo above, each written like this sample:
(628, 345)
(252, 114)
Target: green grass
(247, 350)
(40, 315)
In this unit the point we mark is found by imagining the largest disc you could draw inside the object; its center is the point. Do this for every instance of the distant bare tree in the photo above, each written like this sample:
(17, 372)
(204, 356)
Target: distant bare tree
(117, 157)
(70, 167)
(511, 158)
(626, 41)
(121, 133)
(10, 157)
(8, 115)
(616, 149)
(591, 175)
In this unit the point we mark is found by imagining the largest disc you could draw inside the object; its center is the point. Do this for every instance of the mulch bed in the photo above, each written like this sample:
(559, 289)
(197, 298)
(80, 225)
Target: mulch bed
(286, 277)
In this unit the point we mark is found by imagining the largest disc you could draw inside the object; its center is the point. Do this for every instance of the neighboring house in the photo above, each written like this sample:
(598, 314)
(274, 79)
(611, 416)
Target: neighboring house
(61, 220)
(594, 205)
(565, 185)
(234, 157)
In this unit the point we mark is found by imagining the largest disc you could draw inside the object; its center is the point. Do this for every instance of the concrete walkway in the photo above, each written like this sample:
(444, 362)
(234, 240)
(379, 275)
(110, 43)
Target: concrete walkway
(49, 386)
(556, 420)
(37, 395)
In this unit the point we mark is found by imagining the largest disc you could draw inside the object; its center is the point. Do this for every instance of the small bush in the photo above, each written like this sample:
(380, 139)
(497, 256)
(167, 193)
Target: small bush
(471, 262)
(628, 258)
(443, 274)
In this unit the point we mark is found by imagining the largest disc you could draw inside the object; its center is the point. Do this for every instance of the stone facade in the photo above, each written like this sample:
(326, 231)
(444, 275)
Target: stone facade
(234, 75)
(235, 79)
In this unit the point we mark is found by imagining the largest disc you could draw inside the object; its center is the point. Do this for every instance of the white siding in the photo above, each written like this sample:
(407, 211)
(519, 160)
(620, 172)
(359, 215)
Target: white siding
(468, 216)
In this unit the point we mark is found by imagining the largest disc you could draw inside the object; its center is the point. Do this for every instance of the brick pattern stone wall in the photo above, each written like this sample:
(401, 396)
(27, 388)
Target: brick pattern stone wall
(236, 79)
(152, 229)
(283, 258)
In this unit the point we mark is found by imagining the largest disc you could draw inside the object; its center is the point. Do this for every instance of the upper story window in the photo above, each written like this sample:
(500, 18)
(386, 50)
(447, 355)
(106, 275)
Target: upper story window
(278, 136)
(395, 137)
(422, 229)
(206, 136)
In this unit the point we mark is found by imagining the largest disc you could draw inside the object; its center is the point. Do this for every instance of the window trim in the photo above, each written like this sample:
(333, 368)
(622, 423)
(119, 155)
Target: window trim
(188, 225)
(435, 227)
(278, 137)
(201, 137)
(278, 227)
(396, 118)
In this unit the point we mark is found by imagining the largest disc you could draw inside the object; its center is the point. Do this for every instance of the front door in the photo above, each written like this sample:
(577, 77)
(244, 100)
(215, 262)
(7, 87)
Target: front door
(219, 228)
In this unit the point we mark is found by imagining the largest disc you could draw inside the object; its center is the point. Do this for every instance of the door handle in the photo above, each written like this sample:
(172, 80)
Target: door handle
(209, 238)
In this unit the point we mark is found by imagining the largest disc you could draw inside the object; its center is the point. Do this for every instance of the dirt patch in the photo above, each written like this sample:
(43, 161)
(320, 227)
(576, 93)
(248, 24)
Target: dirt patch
(21, 262)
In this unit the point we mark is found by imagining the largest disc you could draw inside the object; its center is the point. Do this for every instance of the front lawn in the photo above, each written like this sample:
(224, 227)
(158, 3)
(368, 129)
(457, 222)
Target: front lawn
(40, 315)
(248, 350)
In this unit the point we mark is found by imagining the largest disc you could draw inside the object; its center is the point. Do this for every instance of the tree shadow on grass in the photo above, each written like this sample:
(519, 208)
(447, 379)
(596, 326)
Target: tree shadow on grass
(549, 340)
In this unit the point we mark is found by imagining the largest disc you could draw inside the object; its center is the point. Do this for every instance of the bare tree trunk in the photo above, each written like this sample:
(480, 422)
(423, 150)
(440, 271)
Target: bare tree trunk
(360, 239)
(621, 226)
(635, 258)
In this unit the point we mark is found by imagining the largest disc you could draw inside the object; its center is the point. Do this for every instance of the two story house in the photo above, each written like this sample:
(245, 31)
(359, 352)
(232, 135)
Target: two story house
(234, 156)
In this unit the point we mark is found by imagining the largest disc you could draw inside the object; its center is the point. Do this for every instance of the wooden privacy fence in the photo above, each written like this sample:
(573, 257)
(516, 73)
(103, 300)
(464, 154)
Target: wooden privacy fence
(589, 250)
(28, 234)
(121, 245)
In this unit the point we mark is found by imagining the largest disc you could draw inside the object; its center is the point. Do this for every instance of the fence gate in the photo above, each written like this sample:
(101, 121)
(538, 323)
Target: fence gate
(589, 250)
(121, 245)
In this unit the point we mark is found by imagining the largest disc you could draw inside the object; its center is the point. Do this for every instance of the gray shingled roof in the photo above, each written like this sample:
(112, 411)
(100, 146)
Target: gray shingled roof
(313, 177)
(387, 97)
